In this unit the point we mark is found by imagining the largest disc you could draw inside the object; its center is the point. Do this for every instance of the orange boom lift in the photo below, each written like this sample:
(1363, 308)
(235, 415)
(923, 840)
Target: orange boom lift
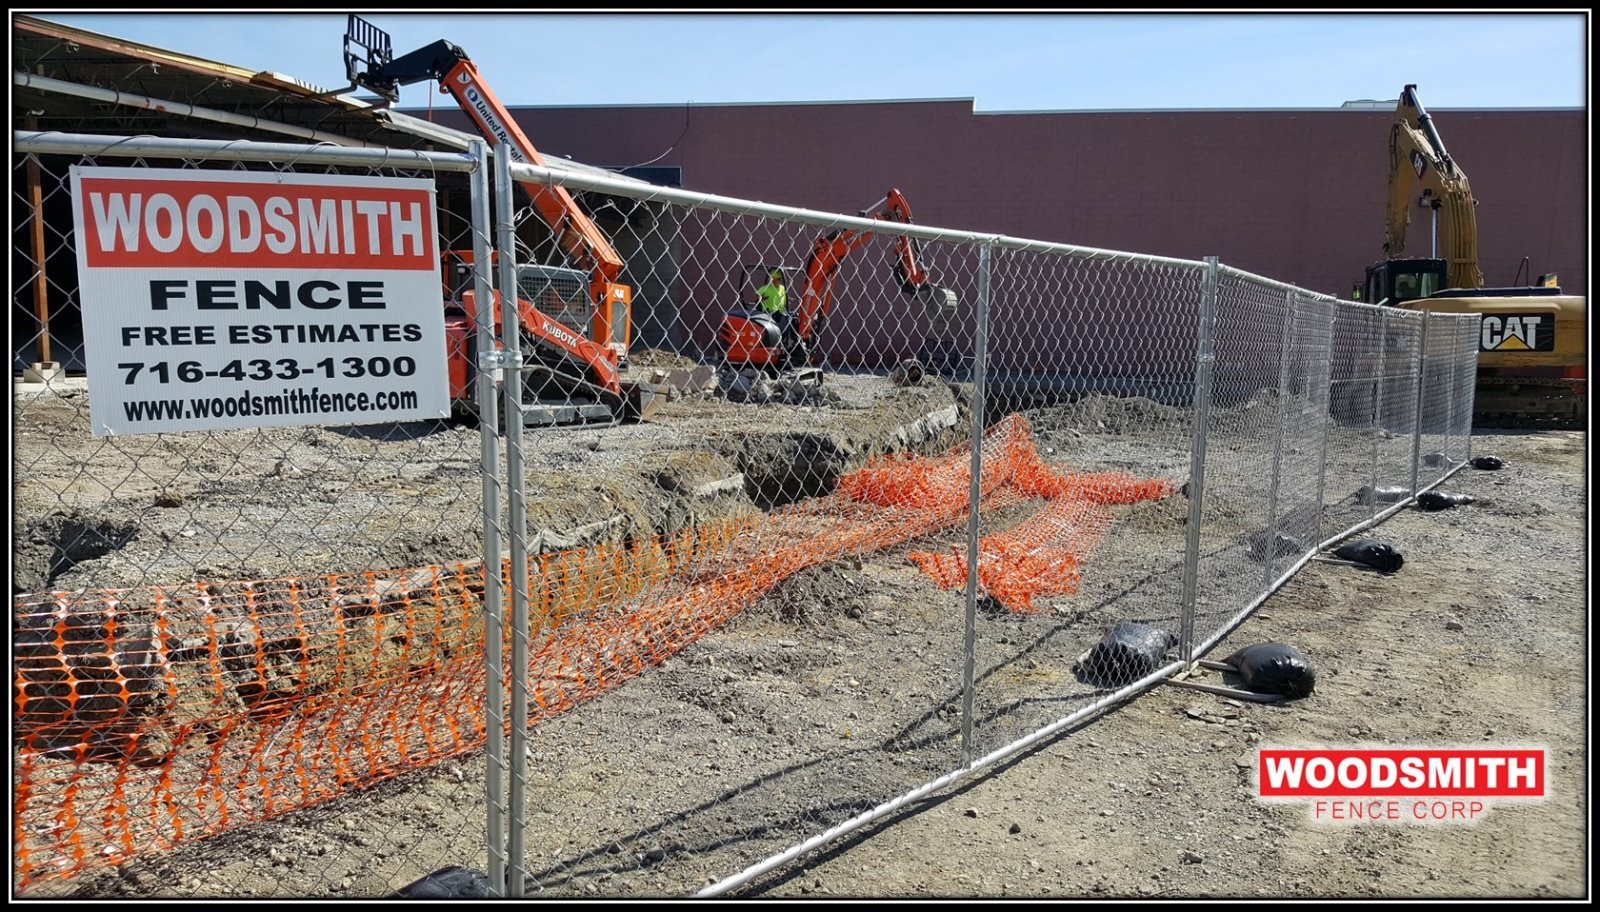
(574, 362)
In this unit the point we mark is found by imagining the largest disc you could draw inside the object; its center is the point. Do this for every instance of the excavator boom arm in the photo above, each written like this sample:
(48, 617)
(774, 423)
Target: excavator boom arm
(447, 64)
(1417, 156)
(575, 231)
(821, 266)
(912, 275)
(831, 249)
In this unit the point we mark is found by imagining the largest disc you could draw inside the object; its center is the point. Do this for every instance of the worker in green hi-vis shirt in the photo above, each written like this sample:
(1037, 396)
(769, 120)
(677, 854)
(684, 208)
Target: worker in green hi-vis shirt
(774, 296)
(774, 302)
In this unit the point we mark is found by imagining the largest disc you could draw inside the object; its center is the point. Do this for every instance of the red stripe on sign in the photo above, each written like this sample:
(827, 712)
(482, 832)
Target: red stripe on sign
(215, 224)
(1454, 773)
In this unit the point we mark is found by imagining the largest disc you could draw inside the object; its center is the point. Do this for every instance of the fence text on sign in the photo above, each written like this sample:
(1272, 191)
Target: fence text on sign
(254, 659)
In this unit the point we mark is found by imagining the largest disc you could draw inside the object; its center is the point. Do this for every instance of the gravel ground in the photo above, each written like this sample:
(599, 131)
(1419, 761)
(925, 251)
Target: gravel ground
(839, 689)
(1481, 638)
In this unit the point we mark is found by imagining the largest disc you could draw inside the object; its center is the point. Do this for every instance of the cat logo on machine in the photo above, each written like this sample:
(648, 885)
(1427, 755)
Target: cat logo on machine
(1518, 332)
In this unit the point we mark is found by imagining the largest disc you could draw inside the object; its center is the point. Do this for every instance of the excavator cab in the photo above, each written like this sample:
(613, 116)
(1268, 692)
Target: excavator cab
(749, 336)
(570, 380)
(1393, 282)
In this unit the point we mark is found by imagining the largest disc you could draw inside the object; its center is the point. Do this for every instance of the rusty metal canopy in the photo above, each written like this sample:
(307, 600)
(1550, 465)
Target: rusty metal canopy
(40, 48)
(59, 52)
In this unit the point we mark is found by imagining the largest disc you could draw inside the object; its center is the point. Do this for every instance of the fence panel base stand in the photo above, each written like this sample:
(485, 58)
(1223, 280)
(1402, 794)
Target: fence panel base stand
(1181, 680)
(43, 372)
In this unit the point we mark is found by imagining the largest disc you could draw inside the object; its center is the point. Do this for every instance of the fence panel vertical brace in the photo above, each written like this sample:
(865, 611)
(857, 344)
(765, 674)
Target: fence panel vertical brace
(1205, 363)
(511, 337)
(974, 514)
(493, 598)
(1273, 525)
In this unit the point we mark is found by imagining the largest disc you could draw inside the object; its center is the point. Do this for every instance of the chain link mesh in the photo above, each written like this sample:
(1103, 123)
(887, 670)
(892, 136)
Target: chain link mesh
(222, 632)
(253, 662)
(742, 689)
(1434, 420)
(1464, 361)
(1097, 353)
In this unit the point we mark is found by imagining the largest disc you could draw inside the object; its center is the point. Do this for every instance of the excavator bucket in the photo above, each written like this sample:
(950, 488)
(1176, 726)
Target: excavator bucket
(644, 399)
(939, 303)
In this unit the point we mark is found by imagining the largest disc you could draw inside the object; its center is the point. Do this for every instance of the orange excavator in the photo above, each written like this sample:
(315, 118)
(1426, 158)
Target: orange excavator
(749, 338)
(575, 322)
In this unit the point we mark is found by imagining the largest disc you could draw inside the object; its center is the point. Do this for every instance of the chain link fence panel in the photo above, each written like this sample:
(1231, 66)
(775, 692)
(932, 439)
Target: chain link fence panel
(1397, 405)
(1434, 418)
(1349, 488)
(1463, 384)
(246, 662)
(1242, 421)
(1080, 583)
(805, 517)
(796, 670)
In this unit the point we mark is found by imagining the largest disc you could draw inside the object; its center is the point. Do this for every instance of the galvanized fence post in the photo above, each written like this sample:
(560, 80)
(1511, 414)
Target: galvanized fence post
(1422, 383)
(1205, 362)
(1377, 410)
(511, 337)
(1454, 377)
(975, 496)
(1270, 563)
(493, 598)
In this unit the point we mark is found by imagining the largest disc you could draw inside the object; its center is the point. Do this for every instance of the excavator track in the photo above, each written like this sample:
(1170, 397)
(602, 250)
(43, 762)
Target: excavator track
(1530, 402)
(566, 408)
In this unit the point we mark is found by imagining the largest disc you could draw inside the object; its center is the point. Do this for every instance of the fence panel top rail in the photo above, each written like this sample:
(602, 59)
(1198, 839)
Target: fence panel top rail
(58, 143)
(1234, 272)
(736, 206)
(49, 142)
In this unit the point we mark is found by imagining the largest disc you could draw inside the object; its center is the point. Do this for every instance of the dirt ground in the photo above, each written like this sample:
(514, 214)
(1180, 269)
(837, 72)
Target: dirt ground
(1481, 638)
(839, 690)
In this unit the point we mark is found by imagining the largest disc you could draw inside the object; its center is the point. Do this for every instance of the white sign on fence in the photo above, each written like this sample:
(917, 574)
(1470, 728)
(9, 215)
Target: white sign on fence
(234, 299)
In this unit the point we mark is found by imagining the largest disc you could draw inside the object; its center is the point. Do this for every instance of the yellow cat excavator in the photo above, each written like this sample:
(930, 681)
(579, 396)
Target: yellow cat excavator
(1533, 344)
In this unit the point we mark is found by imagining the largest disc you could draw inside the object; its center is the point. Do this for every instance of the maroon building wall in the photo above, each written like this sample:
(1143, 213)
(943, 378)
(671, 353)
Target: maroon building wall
(1294, 195)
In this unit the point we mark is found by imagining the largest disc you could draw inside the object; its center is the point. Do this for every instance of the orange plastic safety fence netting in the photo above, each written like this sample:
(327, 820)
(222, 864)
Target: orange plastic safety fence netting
(1038, 557)
(1041, 555)
(145, 718)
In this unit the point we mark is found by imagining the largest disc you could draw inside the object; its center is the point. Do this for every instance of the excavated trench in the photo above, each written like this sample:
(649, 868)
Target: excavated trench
(49, 548)
(94, 660)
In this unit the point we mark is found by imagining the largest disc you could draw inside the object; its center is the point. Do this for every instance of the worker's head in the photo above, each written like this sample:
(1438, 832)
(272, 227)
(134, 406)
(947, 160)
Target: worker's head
(776, 276)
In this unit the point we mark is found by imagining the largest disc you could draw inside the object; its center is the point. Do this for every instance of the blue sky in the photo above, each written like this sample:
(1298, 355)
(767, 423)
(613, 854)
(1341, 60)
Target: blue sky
(1006, 62)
